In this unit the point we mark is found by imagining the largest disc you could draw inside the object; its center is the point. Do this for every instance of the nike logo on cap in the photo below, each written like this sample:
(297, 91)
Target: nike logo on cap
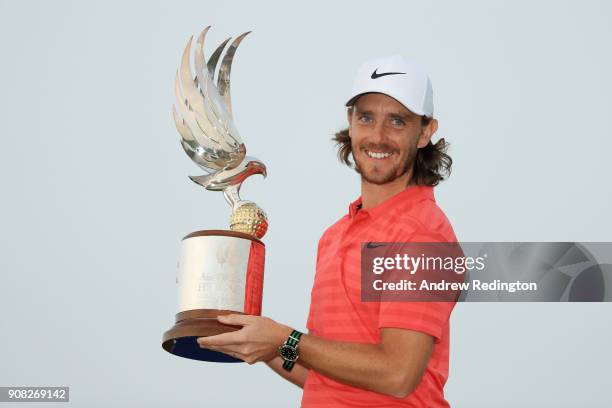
(377, 75)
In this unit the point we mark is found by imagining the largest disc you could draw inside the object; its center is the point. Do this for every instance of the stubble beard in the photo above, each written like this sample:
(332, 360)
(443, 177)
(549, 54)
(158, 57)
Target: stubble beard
(394, 173)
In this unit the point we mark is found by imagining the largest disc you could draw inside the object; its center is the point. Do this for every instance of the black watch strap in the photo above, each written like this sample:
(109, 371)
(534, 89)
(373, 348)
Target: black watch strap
(292, 340)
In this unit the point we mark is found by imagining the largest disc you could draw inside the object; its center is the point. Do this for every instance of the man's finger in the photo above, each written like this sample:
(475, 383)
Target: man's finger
(223, 339)
(235, 354)
(235, 319)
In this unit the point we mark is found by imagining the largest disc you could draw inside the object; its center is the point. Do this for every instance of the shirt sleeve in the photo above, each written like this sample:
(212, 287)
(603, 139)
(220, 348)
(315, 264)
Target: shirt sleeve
(427, 317)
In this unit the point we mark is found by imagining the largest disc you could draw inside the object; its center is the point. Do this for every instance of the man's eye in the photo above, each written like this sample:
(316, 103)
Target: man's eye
(365, 119)
(397, 122)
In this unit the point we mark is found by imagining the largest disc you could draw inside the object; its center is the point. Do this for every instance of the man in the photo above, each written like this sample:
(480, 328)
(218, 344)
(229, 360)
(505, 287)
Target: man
(369, 354)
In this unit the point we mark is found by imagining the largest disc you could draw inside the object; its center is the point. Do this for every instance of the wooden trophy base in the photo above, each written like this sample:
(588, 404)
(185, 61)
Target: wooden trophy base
(181, 339)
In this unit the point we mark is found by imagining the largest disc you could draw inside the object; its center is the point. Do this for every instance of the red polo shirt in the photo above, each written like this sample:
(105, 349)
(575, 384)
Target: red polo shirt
(337, 312)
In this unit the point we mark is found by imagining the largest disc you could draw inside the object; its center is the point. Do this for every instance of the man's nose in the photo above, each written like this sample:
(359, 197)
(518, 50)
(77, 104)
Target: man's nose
(378, 133)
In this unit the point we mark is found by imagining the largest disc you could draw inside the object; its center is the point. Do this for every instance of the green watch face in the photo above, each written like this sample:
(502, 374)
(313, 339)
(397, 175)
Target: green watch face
(288, 352)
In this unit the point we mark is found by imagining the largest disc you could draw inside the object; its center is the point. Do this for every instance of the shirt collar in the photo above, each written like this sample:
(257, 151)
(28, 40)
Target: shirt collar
(411, 194)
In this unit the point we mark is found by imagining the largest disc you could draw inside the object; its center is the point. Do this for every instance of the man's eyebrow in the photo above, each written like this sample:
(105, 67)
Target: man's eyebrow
(359, 110)
(400, 115)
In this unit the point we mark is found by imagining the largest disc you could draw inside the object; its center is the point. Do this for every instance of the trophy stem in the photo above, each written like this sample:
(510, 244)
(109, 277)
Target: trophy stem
(232, 195)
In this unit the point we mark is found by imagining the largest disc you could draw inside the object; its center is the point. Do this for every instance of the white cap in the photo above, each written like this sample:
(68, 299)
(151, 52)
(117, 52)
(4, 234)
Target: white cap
(400, 78)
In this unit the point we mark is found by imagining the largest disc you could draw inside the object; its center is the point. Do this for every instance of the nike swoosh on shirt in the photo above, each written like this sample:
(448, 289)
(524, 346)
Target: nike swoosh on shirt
(372, 245)
(377, 75)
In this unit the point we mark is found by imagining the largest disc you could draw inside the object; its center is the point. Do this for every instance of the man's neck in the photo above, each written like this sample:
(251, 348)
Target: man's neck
(374, 194)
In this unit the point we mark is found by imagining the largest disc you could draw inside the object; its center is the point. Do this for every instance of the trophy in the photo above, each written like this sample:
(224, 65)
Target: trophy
(219, 271)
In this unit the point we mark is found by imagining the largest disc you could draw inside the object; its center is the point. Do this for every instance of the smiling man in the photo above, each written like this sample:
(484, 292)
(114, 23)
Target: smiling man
(369, 354)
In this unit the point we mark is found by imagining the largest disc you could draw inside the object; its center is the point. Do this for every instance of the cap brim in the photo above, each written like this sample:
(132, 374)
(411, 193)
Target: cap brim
(352, 101)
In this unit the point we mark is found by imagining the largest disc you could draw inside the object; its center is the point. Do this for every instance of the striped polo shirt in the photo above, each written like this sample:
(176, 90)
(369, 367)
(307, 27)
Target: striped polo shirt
(337, 312)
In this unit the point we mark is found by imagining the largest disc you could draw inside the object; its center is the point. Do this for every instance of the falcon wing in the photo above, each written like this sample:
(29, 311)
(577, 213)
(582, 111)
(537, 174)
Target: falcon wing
(202, 111)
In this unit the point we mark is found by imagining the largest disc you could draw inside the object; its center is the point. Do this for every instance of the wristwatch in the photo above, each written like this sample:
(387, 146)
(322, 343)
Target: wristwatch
(289, 350)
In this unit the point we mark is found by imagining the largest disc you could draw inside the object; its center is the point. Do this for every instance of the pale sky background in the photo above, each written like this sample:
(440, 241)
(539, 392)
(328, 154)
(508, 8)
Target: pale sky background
(95, 194)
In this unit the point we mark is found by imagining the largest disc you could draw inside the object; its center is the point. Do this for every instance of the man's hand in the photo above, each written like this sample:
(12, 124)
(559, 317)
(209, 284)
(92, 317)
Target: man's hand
(258, 340)
(393, 366)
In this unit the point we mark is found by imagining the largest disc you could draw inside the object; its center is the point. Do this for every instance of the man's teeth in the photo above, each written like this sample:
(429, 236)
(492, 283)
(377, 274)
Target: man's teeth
(377, 155)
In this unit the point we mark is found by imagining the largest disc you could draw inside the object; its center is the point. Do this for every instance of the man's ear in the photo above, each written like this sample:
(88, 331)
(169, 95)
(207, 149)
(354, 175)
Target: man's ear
(427, 132)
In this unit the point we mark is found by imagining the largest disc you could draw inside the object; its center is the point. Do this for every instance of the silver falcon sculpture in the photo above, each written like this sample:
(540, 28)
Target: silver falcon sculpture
(203, 116)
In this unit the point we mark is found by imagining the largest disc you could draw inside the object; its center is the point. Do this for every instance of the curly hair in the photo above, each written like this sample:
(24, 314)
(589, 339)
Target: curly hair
(431, 165)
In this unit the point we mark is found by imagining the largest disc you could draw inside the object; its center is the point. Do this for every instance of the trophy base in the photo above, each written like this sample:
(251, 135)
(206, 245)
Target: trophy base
(181, 339)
